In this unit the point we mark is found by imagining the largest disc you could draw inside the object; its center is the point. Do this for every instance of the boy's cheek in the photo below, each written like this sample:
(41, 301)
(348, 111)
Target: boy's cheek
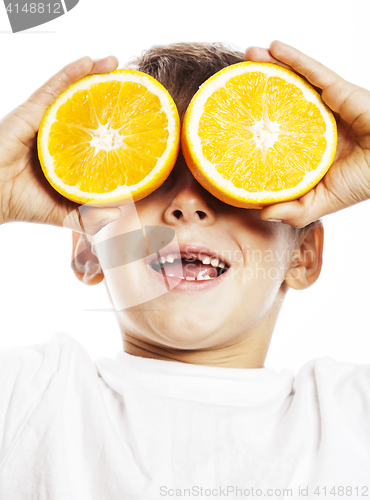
(263, 262)
(128, 289)
(257, 274)
(122, 248)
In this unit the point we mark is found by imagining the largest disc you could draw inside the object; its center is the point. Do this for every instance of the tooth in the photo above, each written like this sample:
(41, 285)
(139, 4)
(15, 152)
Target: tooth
(206, 260)
(200, 276)
(214, 262)
(162, 260)
(170, 258)
(221, 264)
(206, 277)
(190, 278)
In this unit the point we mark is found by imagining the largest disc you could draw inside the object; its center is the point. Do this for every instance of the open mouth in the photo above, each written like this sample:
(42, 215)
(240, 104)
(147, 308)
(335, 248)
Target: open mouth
(190, 267)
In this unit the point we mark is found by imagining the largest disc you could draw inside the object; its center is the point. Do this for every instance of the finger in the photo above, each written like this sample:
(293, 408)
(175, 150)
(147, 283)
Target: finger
(349, 101)
(258, 54)
(105, 65)
(299, 213)
(290, 212)
(36, 105)
(316, 73)
(88, 220)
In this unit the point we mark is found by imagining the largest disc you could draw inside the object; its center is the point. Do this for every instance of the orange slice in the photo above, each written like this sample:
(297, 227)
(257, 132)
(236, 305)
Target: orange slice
(256, 133)
(110, 138)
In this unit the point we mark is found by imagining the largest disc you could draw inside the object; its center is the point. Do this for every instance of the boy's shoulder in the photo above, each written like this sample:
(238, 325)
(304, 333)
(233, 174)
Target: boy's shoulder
(32, 373)
(327, 368)
(47, 354)
(335, 384)
(29, 369)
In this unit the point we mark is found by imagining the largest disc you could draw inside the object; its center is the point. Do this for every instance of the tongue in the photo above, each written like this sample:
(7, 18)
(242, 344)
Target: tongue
(190, 269)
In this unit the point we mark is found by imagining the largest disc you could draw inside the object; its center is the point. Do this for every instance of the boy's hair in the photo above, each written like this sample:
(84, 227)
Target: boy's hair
(182, 68)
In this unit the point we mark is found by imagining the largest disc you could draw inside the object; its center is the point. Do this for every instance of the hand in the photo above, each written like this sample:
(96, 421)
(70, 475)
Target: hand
(347, 181)
(25, 194)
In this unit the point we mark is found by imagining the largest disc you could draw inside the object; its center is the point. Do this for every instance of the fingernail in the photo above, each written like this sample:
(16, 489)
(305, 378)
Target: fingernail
(104, 222)
(274, 220)
(101, 58)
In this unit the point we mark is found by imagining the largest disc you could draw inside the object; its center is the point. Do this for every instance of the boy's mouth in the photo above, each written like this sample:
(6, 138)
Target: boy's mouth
(190, 267)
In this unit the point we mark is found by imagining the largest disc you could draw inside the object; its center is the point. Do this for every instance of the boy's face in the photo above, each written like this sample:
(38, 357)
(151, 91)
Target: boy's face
(243, 303)
(225, 322)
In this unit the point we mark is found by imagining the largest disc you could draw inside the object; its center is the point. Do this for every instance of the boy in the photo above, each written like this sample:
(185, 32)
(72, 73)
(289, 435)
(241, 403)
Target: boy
(187, 409)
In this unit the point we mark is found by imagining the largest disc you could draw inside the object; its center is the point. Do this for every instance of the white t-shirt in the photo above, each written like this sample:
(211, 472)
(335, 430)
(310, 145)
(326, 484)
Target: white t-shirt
(137, 428)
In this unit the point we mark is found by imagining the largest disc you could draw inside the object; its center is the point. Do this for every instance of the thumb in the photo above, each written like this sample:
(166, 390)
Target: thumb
(297, 213)
(34, 108)
(86, 219)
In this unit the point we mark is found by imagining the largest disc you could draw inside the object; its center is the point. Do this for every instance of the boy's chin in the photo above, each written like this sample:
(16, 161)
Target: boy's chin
(188, 333)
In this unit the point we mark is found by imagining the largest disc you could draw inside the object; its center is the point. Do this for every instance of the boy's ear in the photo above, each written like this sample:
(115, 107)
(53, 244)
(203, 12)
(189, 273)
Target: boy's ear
(85, 263)
(307, 258)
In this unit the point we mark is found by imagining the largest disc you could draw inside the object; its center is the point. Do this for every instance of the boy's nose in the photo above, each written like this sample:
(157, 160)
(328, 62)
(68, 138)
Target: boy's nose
(191, 202)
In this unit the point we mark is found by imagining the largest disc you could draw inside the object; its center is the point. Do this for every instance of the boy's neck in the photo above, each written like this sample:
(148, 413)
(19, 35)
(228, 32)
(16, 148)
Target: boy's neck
(248, 353)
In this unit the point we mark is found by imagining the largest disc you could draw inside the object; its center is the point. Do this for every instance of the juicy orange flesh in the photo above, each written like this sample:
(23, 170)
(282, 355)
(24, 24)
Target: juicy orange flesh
(228, 143)
(141, 128)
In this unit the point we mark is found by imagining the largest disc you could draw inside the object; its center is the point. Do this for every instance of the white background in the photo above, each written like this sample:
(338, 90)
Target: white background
(39, 294)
